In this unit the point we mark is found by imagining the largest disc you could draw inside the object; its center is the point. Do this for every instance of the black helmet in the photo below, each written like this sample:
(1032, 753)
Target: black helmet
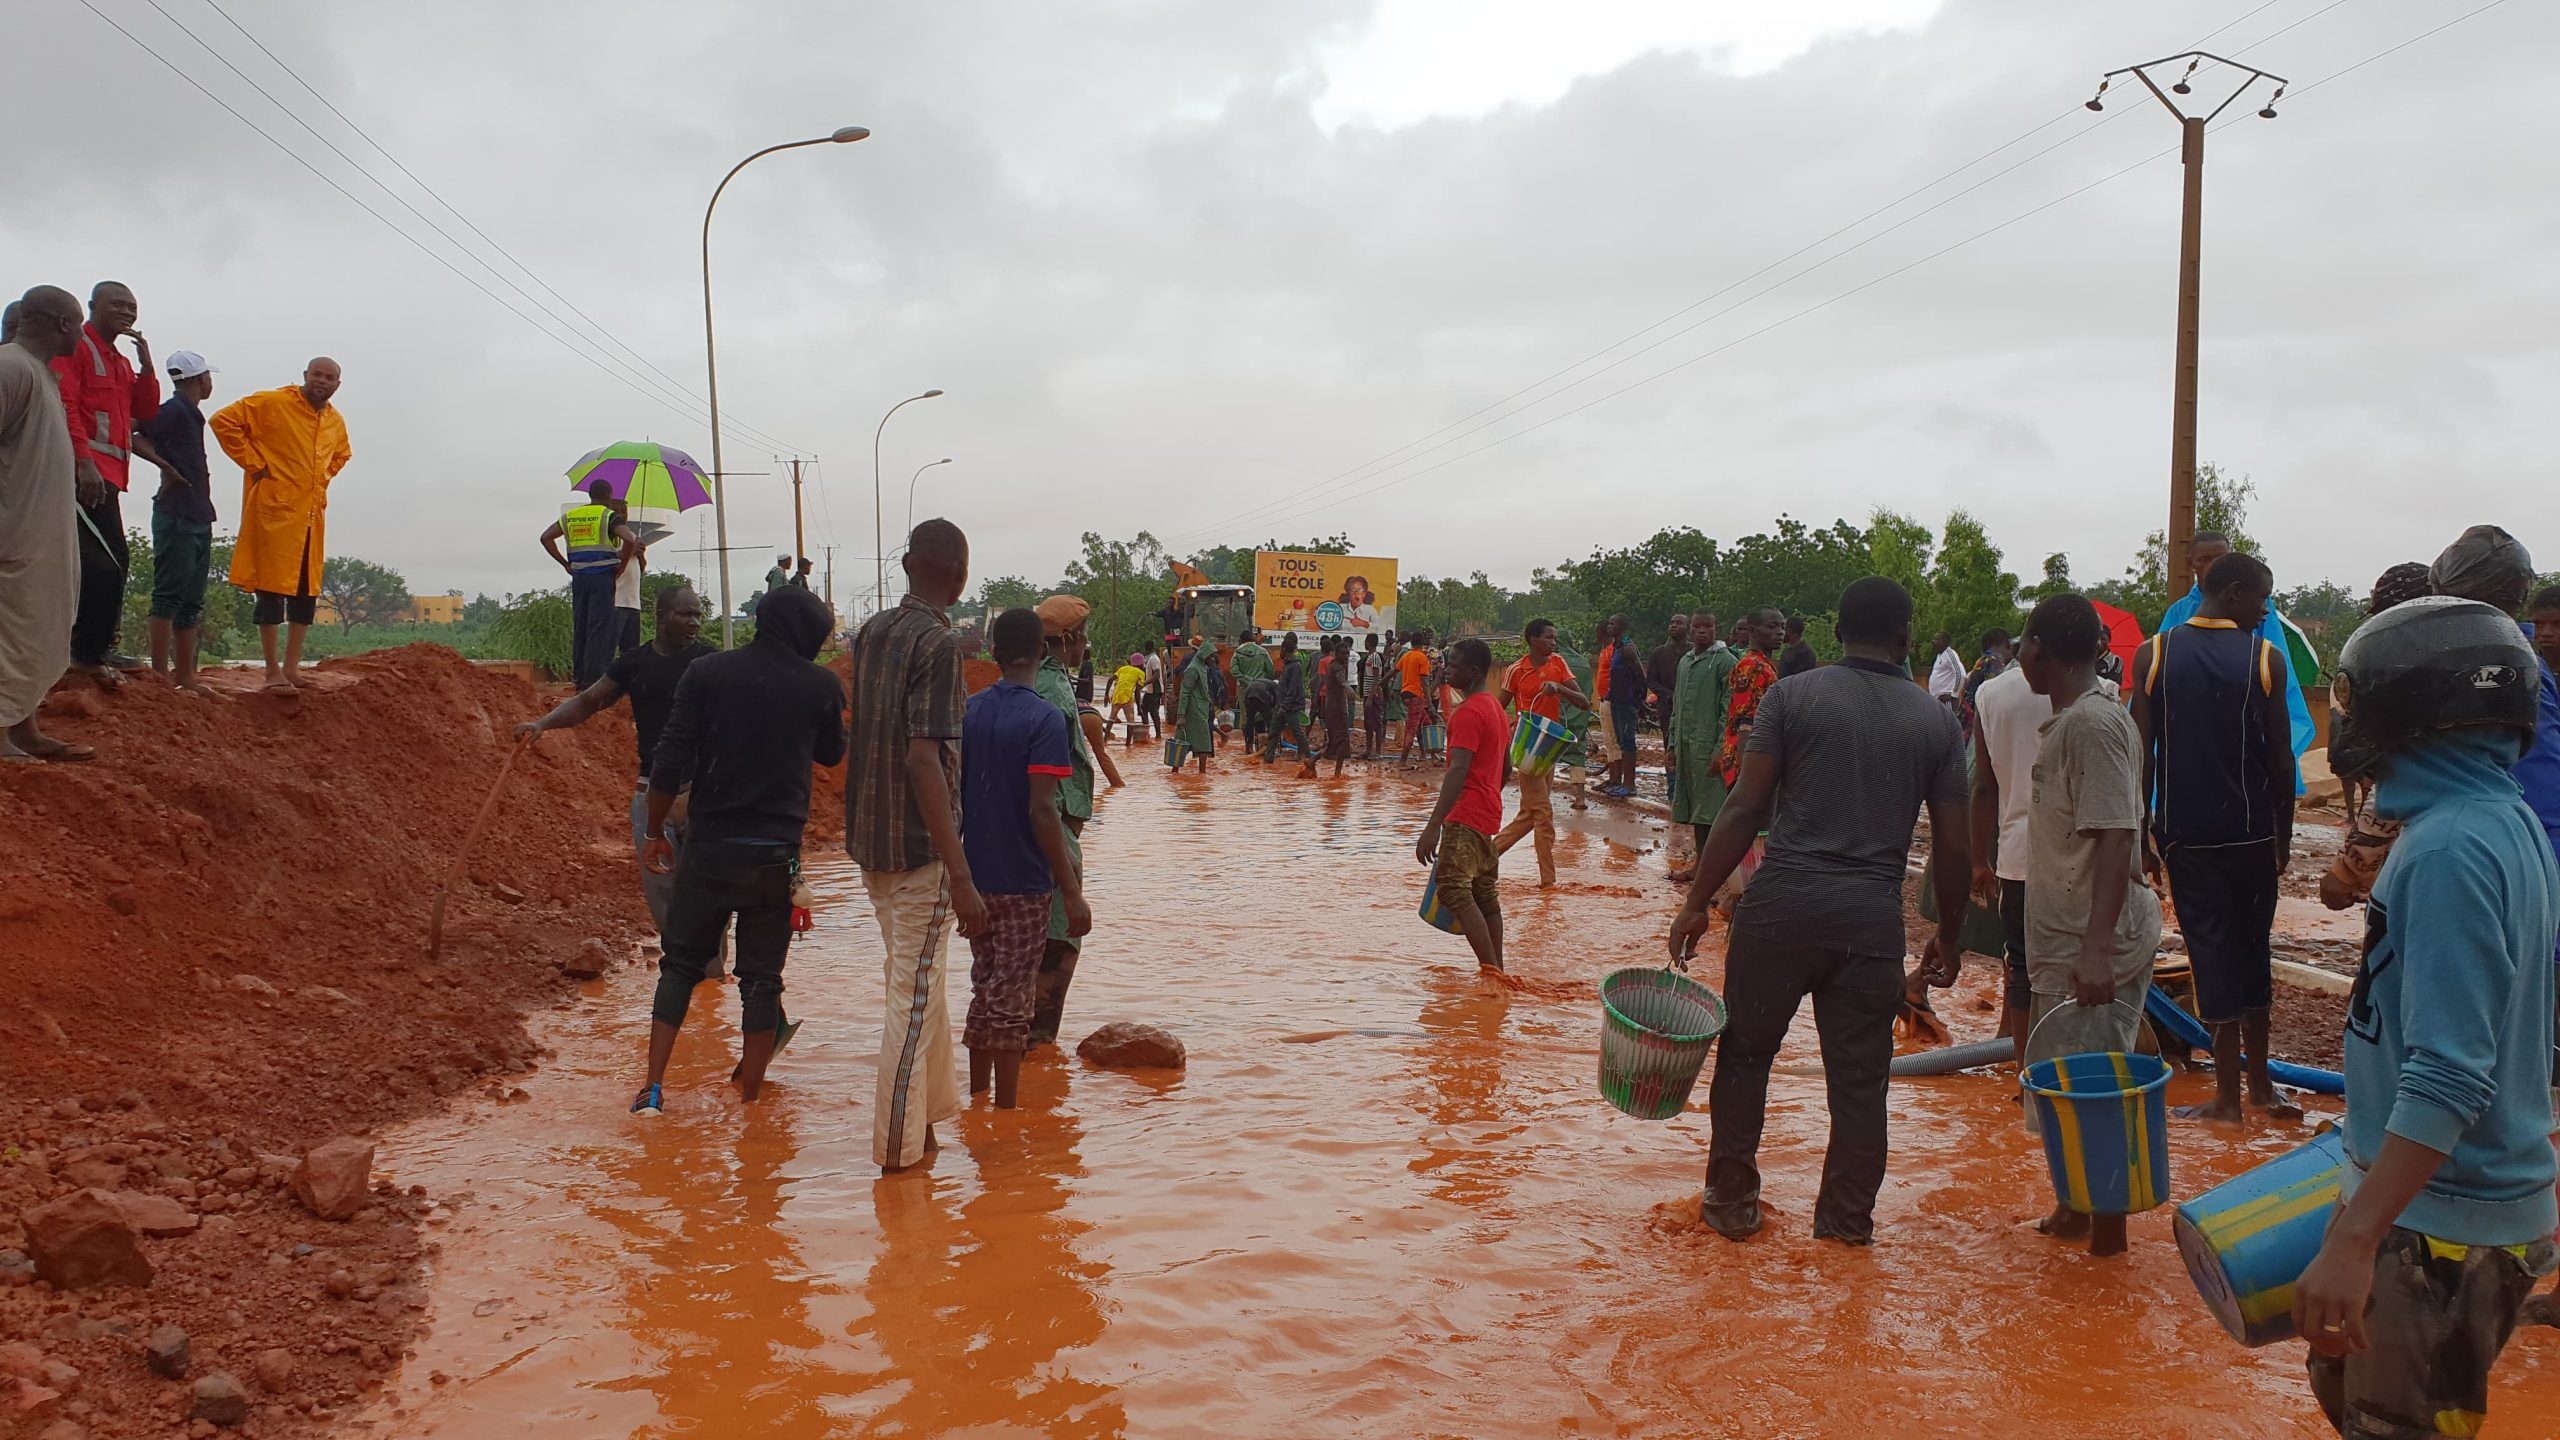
(2434, 663)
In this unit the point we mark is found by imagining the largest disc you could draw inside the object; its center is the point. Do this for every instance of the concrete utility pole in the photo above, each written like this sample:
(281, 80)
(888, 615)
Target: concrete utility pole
(831, 577)
(2182, 411)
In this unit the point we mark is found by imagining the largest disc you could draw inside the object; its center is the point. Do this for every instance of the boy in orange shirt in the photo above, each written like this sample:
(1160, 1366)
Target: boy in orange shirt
(1539, 683)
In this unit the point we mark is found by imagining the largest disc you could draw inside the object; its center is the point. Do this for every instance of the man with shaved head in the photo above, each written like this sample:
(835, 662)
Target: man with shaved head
(102, 395)
(39, 558)
(289, 443)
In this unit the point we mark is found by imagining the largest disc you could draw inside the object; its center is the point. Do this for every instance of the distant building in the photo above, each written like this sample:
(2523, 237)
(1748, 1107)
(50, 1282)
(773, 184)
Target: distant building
(445, 609)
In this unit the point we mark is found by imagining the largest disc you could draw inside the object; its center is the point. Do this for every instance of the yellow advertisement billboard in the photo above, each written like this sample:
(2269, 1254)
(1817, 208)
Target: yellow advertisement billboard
(1323, 594)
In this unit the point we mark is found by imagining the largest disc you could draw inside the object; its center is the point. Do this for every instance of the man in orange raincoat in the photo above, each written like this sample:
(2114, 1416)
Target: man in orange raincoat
(289, 443)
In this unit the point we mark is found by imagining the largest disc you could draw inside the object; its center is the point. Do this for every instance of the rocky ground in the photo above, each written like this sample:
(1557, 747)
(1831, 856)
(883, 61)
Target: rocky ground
(214, 946)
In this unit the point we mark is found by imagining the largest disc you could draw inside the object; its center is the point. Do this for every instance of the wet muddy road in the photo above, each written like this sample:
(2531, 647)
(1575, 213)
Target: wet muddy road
(1385, 1200)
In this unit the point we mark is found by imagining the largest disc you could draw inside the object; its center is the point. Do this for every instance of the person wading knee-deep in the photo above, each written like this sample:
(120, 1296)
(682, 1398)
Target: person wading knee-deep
(1015, 752)
(746, 727)
(1840, 761)
(902, 826)
(1064, 646)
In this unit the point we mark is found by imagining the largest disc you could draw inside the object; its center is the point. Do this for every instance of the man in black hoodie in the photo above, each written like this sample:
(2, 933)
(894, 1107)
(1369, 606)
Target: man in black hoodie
(746, 727)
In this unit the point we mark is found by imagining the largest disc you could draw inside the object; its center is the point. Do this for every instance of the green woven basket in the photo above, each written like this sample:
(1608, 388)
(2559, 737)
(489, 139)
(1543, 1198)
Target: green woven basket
(1655, 1028)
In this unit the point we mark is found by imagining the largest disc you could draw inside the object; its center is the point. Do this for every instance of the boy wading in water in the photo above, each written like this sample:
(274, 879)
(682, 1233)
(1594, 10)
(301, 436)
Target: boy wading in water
(1015, 748)
(746, 727)
(1458, 842)
(2447, 1210)
(2092, 925)
(2209, 699)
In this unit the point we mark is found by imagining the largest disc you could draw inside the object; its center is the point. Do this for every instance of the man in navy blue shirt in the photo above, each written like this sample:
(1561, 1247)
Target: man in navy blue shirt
(1626, 702)
(181, 519)
(1014, 749)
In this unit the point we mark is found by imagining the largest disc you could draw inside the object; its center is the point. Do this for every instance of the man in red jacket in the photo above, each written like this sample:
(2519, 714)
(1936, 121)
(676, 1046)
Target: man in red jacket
(102, 392)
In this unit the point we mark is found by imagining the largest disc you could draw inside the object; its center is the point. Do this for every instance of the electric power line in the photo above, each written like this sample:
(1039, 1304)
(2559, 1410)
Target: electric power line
(1888, 275)
(492, 241)
(352, 198)
(1264, 513)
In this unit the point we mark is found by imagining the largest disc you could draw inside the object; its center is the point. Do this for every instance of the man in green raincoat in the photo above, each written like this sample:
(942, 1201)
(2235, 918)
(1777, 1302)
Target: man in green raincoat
(1062, 630)
(1199, 702)
(1696, 728)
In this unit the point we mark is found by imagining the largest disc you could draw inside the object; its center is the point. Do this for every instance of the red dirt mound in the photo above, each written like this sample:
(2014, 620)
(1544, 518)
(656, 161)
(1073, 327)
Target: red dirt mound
(213, 941)
(826, 793)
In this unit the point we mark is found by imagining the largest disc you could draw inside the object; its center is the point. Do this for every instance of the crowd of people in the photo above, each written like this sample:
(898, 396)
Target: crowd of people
(78, 417)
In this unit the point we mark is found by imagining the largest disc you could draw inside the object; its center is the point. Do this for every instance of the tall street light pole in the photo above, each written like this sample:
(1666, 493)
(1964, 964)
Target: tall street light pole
(2182, 413)
(911, 487)
(879, 531)
(711, 358)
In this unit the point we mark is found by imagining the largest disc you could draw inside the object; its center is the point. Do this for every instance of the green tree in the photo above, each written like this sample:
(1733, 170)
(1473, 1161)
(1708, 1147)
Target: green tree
(483, 610)
(1008, 592)
(225, 629)
(362, 592)
(535, 626)
(1126, 582)
(2057, 578)
(2222, 504)
(2327, 613)
(1968, 592)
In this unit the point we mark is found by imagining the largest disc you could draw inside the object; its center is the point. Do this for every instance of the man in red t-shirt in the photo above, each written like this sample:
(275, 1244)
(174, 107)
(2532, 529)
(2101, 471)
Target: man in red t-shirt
(1458, 842)
(1538, 684)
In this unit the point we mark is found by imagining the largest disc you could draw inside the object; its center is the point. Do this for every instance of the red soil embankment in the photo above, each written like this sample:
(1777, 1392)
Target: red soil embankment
(213, 948)
(826, 792)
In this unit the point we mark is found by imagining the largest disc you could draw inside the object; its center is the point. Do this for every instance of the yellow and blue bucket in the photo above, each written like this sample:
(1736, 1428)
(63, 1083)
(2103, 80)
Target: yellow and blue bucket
(1433, 912)
(2105, 1122)
(2247, 1240)
(1535, 743)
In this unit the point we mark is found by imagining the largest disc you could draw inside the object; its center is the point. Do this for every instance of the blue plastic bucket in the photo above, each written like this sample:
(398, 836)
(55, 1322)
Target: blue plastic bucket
(2247, 1240)
(1433, 912)
(2105, 1121)
(1535, 743)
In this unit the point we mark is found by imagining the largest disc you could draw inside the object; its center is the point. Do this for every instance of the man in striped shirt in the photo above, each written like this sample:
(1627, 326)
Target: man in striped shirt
(902, 826)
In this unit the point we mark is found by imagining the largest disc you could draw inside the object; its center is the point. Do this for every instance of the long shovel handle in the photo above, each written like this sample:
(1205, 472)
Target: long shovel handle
(435, 922)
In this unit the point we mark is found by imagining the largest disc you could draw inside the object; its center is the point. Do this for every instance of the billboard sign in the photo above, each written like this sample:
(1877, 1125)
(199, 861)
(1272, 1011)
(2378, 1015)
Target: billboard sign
(1323, 594)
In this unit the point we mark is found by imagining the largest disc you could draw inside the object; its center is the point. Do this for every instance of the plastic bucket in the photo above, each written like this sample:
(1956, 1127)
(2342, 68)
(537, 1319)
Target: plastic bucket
(1535, 743)
(2105, 1122)
(1433, 912)
(1655, 1027)
(1173, 752)
(2247, 1240)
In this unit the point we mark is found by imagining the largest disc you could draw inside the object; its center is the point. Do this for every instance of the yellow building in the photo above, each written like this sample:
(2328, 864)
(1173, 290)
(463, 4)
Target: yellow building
(445, 609)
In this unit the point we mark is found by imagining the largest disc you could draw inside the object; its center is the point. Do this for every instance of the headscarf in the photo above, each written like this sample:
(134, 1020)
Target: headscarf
(2488, 565)
(795, 620)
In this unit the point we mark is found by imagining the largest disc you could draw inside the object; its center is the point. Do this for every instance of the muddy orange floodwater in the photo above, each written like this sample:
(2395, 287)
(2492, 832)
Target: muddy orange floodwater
(1385, 1200)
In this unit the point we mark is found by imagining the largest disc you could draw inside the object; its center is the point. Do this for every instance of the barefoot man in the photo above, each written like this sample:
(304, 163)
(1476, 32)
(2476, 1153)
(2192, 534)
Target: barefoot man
(2209, 696)
(902, 826)
(39, 556)
(289, 443)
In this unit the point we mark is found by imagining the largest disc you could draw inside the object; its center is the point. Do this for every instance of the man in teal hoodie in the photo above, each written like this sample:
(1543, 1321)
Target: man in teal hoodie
(2448, 1210)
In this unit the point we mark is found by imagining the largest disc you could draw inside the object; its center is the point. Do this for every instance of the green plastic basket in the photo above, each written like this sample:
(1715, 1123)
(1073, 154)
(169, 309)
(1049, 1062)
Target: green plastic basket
(1655, 1028)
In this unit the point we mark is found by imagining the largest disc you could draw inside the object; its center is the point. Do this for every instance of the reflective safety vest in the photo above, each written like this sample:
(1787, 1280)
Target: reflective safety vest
(588, 529)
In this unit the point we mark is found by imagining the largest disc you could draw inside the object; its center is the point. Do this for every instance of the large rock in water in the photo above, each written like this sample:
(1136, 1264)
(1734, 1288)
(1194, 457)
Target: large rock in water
(84, 1239)
(1123, 1045)
(335, 1177)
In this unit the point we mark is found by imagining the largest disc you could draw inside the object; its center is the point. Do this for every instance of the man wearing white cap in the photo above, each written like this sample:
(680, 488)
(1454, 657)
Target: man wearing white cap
(181, 519)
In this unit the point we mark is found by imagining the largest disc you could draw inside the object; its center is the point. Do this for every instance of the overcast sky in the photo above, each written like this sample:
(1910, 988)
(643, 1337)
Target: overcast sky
(1177, 262)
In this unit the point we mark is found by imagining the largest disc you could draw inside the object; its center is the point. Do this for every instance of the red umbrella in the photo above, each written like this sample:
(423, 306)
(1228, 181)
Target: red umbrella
(2124, 633)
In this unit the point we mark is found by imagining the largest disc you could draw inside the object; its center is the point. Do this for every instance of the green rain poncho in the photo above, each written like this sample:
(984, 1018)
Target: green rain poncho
(1199, 706)
(1697, 729)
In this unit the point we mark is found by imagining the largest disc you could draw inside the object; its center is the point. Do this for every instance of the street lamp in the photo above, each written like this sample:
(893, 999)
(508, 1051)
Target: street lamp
(711, 356)
(911, 487)
(879, 531)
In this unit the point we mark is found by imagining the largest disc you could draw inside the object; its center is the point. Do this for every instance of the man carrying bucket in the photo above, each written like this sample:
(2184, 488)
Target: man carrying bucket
(1458, 841)
(2092, 925)
(2446, 1210)
(1538, 685)
(1840, 762)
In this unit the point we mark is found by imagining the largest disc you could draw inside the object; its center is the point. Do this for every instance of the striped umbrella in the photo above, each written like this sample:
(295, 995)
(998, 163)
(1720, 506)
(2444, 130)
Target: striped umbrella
(655, 483)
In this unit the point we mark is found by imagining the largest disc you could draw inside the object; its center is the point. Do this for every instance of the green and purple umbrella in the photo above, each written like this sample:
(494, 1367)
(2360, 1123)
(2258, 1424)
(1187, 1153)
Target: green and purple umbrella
(655, 483)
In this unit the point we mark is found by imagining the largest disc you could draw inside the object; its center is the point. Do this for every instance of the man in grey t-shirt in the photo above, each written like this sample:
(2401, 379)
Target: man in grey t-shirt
(1840, 761)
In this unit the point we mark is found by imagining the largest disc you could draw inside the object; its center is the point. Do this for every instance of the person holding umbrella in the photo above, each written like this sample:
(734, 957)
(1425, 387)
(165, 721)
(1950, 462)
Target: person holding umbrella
(601, 547)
